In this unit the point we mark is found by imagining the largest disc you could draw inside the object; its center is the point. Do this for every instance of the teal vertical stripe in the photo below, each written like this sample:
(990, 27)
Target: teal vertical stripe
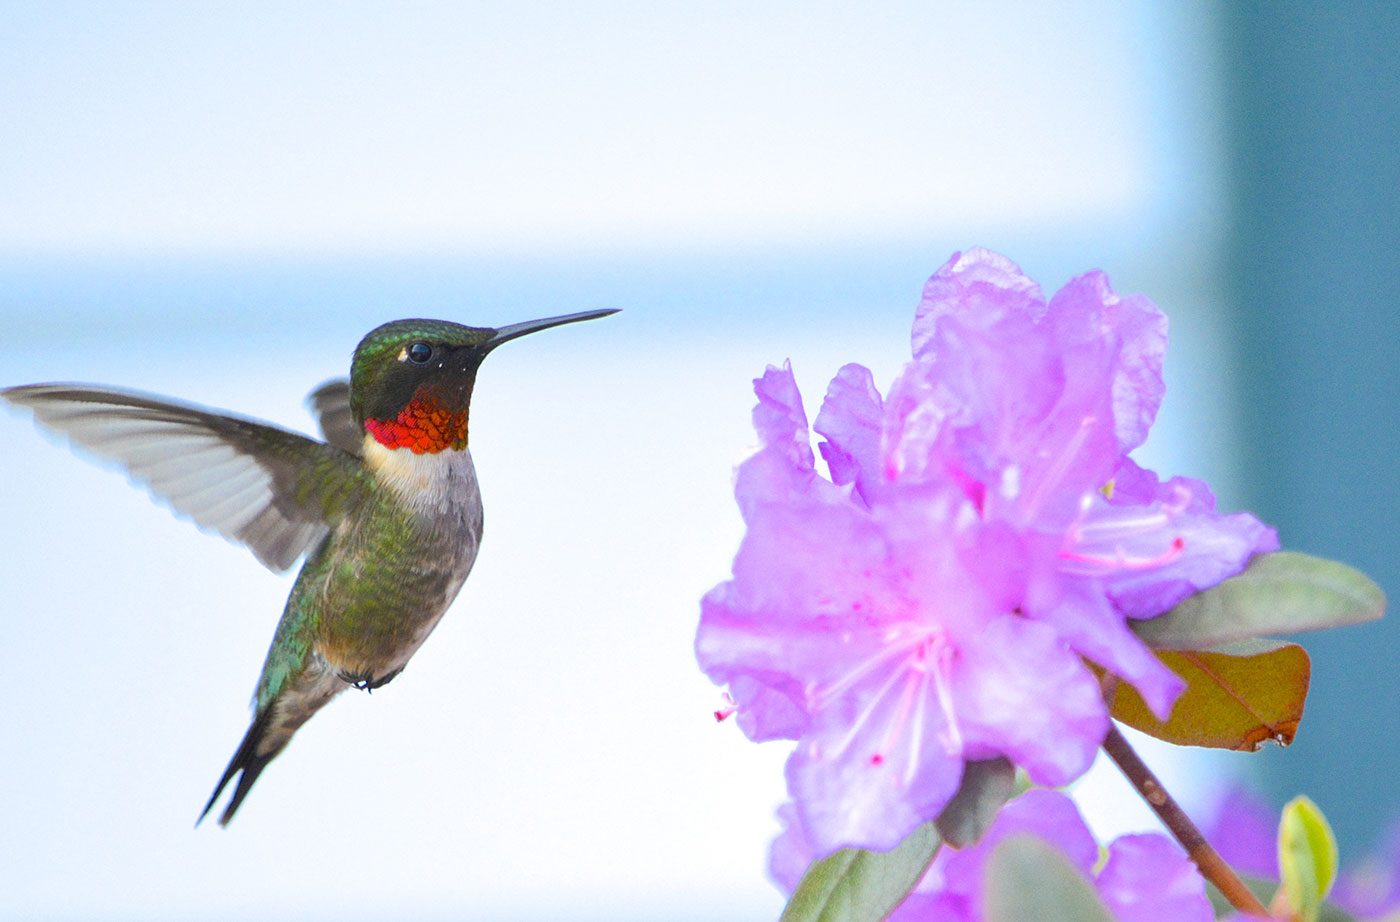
(1312, 96)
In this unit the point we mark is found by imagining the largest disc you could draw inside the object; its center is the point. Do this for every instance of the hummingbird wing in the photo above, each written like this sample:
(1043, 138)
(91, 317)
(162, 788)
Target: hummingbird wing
(273, 490)
(331, 404)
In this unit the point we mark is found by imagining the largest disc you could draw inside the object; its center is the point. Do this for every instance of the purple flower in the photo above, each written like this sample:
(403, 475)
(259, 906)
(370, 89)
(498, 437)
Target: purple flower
(1370, 888)
(1147, 878)
(1244, 829)
(981, 531)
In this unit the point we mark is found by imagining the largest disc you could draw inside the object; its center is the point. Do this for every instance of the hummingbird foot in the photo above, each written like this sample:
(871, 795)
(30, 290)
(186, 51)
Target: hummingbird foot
(367, 682)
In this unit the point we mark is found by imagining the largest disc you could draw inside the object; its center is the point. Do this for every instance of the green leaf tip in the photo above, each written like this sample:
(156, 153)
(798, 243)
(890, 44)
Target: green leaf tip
(1307, 858)
(855, 885)
(1284, 592)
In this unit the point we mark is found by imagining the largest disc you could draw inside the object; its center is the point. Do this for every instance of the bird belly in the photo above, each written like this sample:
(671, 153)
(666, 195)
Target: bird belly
(395, 574)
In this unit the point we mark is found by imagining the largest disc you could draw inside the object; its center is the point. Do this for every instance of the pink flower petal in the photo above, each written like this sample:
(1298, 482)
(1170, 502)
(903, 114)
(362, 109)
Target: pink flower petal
(850, 419)
(976, 282)
(1014, 681)
(1148, 878)
(861, 779)
(792, 851)
(779, 417)
(1244, 830)
(1153, 543)
(1078, 611)
(1121, 339)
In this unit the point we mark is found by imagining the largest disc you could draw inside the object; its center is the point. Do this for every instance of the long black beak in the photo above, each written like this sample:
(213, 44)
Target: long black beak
(506, 334)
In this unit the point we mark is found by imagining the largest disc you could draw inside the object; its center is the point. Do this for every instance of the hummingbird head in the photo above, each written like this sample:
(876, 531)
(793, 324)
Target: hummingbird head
(411, 380)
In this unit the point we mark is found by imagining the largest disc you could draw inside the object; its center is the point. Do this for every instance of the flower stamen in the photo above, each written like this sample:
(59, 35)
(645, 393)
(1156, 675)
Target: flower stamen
(867, 712)
(727, 710)
(917, 737)
(929, 661)
(906, 704)
(942, 684)
(1122, 560)
(819, 697)
(1103, 543)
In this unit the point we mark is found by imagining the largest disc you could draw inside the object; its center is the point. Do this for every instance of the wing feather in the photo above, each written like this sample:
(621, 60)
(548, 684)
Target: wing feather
(275, 491)
(331, 404)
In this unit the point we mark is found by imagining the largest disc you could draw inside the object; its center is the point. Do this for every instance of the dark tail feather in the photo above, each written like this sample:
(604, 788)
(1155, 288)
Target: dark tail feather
(247, 761)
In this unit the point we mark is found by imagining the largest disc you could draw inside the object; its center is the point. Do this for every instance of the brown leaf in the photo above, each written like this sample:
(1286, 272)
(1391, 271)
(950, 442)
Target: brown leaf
(1233, 700)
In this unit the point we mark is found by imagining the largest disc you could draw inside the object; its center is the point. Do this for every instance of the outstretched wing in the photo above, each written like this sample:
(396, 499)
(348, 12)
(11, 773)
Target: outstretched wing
(273, 490)
(331, 404)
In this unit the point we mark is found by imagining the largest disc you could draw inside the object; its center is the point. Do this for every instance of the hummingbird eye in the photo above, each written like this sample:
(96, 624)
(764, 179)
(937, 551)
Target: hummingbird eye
(420, 353)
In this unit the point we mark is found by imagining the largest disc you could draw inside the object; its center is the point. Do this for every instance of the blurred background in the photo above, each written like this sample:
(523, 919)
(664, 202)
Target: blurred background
(215, 201)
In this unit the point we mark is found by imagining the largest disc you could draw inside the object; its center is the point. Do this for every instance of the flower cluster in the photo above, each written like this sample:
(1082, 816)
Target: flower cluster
(1146, 878)
(982, 532)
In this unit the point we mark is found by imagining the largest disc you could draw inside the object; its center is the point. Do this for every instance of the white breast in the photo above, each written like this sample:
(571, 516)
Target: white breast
(439, 485)
(441, 488)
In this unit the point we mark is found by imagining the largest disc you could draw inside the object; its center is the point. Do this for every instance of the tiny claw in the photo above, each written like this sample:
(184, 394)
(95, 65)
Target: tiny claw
(366, 682)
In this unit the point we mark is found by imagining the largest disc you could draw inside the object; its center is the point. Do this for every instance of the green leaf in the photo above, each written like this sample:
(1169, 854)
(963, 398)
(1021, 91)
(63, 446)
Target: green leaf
(1027, 878)
(1238, 697)
(855, 885)
(1280, 593)
(1307, 857)
(985, 787)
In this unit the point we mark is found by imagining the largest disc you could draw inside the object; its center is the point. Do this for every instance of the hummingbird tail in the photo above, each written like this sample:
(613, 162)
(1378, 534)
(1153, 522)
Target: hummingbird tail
(249, 762)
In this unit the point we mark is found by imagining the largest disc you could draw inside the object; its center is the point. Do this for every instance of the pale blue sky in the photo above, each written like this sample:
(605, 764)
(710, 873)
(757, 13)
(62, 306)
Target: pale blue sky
(217, 200)
(315, 127)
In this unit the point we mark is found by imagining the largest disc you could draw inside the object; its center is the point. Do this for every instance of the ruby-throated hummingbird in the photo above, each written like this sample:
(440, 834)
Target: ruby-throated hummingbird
(387, 506)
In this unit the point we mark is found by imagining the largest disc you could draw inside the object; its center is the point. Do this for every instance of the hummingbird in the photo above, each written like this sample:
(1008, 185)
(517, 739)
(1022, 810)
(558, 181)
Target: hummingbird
(386, 509)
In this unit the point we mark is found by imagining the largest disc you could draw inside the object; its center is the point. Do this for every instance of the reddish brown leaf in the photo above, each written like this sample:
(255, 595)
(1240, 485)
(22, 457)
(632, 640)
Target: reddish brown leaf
(1232, 700)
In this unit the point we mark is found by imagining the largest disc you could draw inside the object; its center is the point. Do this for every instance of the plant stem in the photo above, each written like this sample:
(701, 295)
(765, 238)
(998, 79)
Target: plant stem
(1212, 866)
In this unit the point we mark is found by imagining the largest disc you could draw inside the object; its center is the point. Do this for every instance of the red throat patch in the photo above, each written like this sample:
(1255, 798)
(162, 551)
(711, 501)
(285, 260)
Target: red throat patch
(421, 427)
